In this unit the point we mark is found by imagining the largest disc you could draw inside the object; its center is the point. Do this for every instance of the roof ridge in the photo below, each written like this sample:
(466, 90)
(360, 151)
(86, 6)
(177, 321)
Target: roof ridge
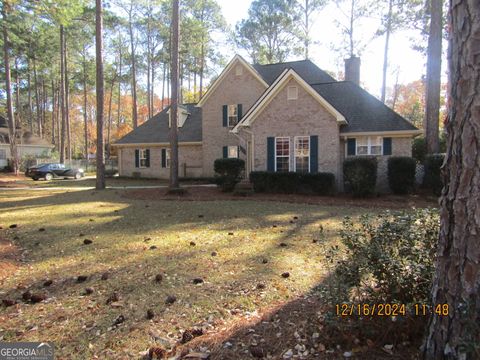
(283, 62)
(329, 82)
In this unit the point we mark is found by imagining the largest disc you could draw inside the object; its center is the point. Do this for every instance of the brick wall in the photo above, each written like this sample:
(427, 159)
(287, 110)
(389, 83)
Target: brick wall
(191, 155)
(302, 117)
(242, 89)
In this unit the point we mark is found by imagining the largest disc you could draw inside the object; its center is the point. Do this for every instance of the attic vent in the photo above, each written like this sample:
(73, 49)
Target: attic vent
(238, 70)
(292, 93)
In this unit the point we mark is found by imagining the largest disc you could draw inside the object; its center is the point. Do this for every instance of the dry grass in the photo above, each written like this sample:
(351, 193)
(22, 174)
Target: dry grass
(242, 233)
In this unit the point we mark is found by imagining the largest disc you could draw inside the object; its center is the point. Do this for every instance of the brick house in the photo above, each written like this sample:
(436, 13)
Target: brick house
(289, 116)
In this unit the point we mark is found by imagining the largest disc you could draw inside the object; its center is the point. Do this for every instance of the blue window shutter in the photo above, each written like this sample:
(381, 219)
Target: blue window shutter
(387, 146)
(351, 147)
(137, 158)
(238, 151)
(271, 154)
(225, 115)
(314, 154)
(164, 158)
(225, 152)
(239, 111)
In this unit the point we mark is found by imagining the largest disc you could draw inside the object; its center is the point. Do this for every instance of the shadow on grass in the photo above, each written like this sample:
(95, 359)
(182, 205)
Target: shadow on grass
(230, 293)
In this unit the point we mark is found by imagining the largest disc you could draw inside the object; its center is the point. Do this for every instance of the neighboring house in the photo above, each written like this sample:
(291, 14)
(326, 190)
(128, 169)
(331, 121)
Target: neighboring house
(280, 117)
(27, 144)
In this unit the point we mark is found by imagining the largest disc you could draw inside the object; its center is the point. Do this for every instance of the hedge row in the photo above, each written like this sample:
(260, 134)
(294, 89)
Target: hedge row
(360, 175)
(293, 183)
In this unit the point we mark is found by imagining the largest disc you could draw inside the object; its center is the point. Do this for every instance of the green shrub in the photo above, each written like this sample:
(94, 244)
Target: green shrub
(401, 174)
(390, 257)
(360, 175)
(419, 149)
(432, 178)
(228, 172)
(293, 183)
(318, 183)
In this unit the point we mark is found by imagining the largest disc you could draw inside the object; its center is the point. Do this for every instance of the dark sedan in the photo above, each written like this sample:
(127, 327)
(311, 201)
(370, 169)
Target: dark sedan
(50, 171)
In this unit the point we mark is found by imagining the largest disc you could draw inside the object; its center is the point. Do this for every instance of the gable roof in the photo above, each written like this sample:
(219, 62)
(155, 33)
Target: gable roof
(236, 58)
(156, 129)
(363, 111)
(274, 89)
(310, 72)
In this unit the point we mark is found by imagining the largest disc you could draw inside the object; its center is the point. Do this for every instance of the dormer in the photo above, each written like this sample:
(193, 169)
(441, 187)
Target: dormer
(182, 117)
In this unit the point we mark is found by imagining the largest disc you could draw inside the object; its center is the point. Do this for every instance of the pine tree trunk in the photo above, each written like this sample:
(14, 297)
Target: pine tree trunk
(149, 106)
(152, 84)
(163, 84)
(62, 96)
(109, 124)
(307, 30)
(53, 111)
(85, 100)
(37, 100)
(67, 104)
(457, 276)
(174, 99)
(17, 94)
(12, 133)
(30, 104)
(434, 68)
(57, 120)
(119, 83)
(100, 183)
(388, 31)
(134, 78)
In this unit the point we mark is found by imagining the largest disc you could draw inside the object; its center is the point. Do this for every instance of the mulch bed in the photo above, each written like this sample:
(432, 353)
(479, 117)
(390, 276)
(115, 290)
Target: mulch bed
(214, 194)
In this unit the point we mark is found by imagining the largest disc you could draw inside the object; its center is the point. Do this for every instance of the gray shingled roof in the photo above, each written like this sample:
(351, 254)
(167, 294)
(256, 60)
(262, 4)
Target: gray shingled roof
(309, 72)
(362, 111)
(156, 129)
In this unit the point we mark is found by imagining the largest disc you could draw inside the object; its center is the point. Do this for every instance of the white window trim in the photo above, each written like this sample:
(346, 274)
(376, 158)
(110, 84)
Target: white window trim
(141, 153)
(228, 115)
(295, 155)
(167, 158)
(228, 152)
(283, 156)
(3, 155)
(292, 92)
(369, 147)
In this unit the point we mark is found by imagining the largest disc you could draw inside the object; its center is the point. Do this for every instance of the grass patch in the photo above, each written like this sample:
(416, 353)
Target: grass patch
(135, 240)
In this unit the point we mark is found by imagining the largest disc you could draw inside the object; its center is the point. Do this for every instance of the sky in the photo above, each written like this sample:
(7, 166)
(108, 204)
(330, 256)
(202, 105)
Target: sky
(408, 62)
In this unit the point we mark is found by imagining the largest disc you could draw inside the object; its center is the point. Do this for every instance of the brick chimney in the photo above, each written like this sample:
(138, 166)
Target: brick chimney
(352, 69)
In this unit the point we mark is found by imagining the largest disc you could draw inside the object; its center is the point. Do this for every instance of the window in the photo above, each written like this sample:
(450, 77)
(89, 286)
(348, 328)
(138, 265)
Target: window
(376, 144)
(3, 154)
(167, 158)
(238, 70)
(369, 145)
(282, 154)
(233, 151)
(302, 154)
(292, 93)
(143, 157)
(232, 115)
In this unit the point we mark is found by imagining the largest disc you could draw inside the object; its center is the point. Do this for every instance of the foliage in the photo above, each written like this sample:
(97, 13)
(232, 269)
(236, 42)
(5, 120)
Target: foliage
(390, 257)
(360, 175)
(433, 178)
(269, 33)
(401, 174)
(228, 172)
(293, 183)
(419, 147)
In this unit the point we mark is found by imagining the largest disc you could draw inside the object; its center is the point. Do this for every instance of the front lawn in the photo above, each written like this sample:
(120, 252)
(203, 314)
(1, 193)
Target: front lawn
(144, 251)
